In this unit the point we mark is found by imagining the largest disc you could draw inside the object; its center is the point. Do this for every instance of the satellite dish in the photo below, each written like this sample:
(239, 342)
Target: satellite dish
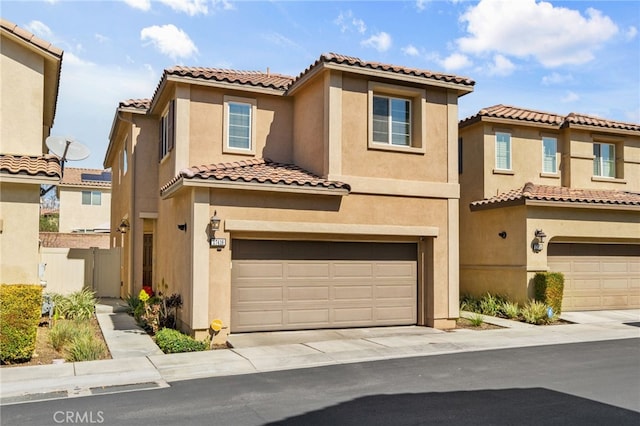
(67, 148)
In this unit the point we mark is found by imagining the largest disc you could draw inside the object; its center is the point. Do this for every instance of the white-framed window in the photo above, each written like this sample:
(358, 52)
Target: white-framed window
(396, 118)
(167, 133)
(91, 198)
(549, 155)
(503, 151)
(125, 159)
(391, 120)
(239, 125)
(604, 161)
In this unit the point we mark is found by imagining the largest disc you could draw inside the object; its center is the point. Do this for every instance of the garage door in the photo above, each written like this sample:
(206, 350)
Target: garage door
(598, 276)
(295, 285)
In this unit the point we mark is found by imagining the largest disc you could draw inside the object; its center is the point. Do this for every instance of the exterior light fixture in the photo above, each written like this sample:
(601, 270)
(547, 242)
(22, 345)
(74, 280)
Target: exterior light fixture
(214, 225)
(538, 242)
(182, 226)
(124, 226)
(215, 222)
(502, 234)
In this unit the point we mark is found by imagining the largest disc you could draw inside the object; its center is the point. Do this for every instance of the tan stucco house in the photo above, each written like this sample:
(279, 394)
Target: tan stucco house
(546, 192)
(85, 200)
(336, 193)
(29, 79)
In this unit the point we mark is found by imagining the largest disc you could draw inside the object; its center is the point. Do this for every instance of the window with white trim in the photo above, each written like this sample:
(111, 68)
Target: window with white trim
(604, 161)
(503, 151)
(167, 133)
(239, 125)
(549, 155)
(391, 120)
(91, 198)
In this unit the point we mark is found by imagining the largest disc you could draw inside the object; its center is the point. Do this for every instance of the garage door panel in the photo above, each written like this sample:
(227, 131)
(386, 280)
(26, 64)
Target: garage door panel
(307, 270)
(598, 276)
(322, 285)
(308, 293)
(259, 294)
(353, 292)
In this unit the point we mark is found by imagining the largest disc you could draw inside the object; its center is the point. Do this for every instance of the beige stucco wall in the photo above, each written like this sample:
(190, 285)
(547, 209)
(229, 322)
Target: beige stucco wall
(21, 103)
(19, 237)
(74, 215)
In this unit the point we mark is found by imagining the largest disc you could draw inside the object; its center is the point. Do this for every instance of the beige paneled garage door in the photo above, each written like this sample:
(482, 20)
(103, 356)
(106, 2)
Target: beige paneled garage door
(598, 276)
(295, 285)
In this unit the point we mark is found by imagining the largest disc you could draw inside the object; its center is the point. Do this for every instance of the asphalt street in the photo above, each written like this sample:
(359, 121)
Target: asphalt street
(594, 383)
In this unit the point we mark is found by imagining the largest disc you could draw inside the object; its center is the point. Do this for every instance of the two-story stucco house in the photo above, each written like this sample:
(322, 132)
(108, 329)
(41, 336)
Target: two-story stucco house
(546, 192)
(335, 192)
(85, 200)
(29, 79)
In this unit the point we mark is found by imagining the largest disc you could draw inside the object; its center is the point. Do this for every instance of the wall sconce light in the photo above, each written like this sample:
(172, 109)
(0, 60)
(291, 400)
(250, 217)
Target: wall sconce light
(502, 234)
(215, 222)
(214, 225)
(538, 242)
(182, 226)
(124, 226)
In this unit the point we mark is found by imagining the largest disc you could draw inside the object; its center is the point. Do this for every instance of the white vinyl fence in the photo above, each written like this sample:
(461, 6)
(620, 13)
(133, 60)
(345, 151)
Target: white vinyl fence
(69, 269)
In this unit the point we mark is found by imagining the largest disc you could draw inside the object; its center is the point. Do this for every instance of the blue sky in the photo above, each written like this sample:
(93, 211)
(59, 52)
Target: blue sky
(575, 56)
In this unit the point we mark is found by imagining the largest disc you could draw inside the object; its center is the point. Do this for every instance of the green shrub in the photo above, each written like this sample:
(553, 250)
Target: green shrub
(77, 305)
(510, 310)
(549, 289)
(469, 303)
(476, 320)
(133, 302)
(172, 341)
(85, 347)
(491, 304)
(535, 312)
(20, 312)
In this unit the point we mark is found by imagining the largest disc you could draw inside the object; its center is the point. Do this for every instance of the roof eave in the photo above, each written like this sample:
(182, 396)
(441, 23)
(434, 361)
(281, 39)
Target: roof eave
(552, 203)
(251, 186)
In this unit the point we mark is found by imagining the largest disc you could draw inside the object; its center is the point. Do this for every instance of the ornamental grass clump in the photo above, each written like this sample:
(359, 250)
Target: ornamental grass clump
(78, 305)
(535, 312)
(510, 310)
(476, 320)
(85, 347)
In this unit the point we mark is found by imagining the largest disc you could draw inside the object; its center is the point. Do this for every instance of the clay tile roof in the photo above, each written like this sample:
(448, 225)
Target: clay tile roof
(250, 78)
(259, 171)
(532, 191)
(515, 113)
(359, 63)
(135, 103)
(586, 120)
(533, 116)
(30, 165)
(30, 38)
(86, 177)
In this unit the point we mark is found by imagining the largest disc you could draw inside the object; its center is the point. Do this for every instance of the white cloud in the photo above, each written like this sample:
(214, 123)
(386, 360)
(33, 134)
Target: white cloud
(223, 5)
(279, 39)
(455, 61)
(381, 42)
(40, 29)
(410, 50)
(144, 5)
(501, 66)
(556, 78)
(554, 36)
(631, 33)
(347, 22)
(190, 7)
(101, 38)
(169, 40)
(570, 97)
(421, 4)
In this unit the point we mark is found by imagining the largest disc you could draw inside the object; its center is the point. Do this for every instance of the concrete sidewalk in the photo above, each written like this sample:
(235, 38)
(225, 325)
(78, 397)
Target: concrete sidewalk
(138, 364)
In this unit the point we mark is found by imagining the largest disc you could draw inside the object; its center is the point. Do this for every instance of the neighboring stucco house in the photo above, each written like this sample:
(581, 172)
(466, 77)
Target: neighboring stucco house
(546, 192)
(85, 200)
(337, 194)
(29, 79)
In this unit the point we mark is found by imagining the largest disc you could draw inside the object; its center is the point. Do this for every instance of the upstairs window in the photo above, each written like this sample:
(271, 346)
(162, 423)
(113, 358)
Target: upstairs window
(503, 151)
(549, 155)
(392, 121)
(167, 132)
(91, 198)
(239, 125)
(604, 161)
